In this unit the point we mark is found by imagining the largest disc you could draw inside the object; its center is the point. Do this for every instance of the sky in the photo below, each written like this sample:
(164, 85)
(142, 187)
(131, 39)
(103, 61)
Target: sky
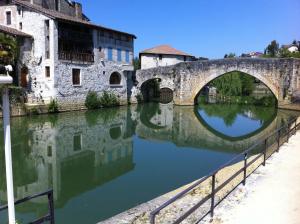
(204, 28)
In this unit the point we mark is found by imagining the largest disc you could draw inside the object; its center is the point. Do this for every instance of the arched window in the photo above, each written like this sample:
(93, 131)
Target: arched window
(115, 79)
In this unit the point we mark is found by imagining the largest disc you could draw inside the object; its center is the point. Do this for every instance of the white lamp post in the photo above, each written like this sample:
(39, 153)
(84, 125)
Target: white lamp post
(5, 79)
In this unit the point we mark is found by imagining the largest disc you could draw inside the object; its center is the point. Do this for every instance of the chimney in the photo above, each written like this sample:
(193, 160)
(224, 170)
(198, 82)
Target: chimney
(78, 10)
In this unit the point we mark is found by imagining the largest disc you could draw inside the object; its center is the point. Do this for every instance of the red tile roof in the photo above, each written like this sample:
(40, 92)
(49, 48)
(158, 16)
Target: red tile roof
(13, 32)
(63, 17)
(165, 49)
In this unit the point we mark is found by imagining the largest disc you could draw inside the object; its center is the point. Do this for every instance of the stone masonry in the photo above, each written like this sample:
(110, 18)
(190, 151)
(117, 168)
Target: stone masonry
(186, 79)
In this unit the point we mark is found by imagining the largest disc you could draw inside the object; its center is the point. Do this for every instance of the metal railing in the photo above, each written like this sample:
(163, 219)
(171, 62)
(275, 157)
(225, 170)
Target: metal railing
(47, 218)
(264, 148)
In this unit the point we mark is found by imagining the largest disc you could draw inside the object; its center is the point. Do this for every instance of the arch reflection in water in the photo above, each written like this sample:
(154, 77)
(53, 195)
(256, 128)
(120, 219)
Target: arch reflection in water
(235, 121)
(100, 163)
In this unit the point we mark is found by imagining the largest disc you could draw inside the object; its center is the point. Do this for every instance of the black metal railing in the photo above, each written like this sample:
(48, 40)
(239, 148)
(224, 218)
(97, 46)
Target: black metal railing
(47, 218)
(262, 149)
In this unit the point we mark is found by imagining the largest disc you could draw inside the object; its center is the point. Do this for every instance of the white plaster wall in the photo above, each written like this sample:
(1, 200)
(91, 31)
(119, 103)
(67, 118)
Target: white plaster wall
(152, 60)
(34, 24)
(293, 49)
(14, 15)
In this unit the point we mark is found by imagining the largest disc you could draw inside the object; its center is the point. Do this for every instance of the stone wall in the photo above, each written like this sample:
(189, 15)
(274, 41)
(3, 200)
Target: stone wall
(94, 76)
(188, 78)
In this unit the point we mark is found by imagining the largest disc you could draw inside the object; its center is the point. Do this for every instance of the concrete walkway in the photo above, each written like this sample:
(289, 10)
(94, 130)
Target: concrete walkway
(272, 193)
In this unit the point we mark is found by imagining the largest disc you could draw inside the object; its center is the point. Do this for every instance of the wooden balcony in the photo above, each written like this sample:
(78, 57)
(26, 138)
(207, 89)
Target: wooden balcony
(76, 57)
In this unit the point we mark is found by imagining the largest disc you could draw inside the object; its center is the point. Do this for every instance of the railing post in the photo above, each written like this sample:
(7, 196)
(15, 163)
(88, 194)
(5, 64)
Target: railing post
(152, 218)
(278, 140)
(51, 207)
(245, 168)
(213, 192)
(288, 134)
(265, 152)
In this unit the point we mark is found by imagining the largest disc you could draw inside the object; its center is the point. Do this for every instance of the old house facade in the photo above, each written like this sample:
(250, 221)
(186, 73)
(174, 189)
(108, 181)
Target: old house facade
(163, 55)
(65, 55)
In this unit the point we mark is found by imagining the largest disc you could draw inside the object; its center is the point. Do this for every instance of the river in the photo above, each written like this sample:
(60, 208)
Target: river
(100, 163)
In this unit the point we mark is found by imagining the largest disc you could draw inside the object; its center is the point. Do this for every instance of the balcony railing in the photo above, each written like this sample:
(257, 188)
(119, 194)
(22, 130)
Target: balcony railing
(75, 56)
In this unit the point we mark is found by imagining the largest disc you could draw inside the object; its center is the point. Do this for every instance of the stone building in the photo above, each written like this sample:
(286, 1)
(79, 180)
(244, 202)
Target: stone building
(163, 55)
(63, 55)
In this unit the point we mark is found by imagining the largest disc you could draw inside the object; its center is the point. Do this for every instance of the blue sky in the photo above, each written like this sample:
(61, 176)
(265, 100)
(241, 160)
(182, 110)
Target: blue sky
(208, 28)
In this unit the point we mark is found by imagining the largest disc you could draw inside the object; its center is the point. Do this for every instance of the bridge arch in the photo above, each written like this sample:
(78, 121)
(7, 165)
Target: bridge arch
(202, 83)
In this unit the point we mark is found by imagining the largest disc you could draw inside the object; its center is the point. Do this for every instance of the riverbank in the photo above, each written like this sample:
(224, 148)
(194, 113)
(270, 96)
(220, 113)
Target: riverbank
(280, 172)
(271, 195)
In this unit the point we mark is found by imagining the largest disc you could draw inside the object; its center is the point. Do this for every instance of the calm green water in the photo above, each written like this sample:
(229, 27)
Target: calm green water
(101, 163)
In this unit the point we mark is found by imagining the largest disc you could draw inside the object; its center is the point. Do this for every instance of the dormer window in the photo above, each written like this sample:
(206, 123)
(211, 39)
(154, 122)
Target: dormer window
(8, 18)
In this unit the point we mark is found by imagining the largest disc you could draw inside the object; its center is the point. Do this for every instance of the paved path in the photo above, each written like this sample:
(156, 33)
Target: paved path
(272, 193)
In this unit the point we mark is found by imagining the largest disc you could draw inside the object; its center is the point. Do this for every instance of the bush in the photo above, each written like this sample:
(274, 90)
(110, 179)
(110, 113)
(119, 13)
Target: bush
(53, 107)
(108, 99)
(91, 101)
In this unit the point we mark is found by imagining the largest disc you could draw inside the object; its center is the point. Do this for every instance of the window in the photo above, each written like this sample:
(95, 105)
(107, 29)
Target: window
(49, 150)
(160, 57)
(77, 142)
(127, 57)
(47, 72)
(109, 54)
(20, 26)
(115, 79)
(19, 10)
(8, 18)
(47, 39)
(76, 77)
(119, 55)
(184, 58)
(56, 5)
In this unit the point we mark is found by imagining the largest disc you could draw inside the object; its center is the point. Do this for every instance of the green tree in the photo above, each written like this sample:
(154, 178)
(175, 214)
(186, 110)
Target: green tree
(285, 53)
(230, 55)
(229, 84)
(272, 49)
(247, 84)
(8, 49)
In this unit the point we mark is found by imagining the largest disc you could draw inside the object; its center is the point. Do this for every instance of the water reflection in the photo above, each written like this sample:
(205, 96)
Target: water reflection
(100, 163)
(235, 121)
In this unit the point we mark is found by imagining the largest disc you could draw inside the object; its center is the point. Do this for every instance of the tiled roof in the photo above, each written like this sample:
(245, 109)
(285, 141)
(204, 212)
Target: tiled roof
(13, 32)
(63, 17)
(164, 49)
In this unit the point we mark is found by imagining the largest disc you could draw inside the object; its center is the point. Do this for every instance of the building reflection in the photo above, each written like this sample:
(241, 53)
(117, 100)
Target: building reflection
(71, 153)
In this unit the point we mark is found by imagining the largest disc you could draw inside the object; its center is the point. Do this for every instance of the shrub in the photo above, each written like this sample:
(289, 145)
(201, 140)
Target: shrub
(53, 107)
(91, 101)
(108, 99)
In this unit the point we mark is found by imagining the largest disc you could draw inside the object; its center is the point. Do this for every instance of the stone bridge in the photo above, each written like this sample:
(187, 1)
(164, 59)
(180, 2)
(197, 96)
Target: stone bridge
(186, 79)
